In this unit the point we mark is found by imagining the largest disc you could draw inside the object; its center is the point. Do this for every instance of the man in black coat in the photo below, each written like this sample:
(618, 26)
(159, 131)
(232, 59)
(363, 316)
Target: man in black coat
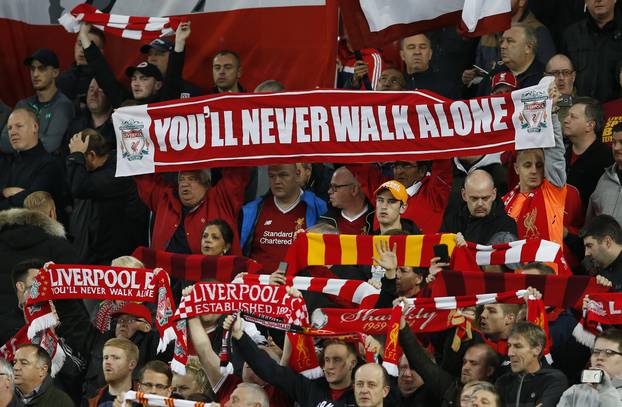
(481, 215)
(30, 168)
(108, 218)
(594, 45)
(586, 157)
(26, 234)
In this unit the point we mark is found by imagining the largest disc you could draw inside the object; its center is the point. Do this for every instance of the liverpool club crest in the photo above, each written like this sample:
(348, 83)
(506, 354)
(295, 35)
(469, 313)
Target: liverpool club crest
(134, 145)
(533, 116)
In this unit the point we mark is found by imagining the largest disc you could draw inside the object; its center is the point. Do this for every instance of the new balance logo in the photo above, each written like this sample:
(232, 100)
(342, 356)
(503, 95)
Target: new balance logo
(268, 222)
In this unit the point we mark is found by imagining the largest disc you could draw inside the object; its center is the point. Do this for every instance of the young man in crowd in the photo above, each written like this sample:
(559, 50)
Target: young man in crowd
(53, 110)
(120, 357)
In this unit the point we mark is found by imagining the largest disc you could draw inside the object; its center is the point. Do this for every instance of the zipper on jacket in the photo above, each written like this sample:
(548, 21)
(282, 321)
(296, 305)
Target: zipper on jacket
(520, 388)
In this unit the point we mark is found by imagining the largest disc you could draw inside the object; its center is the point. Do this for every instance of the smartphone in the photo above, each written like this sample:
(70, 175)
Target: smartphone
(282, 267)
(564, 101)
(592, 376)
(441, 250)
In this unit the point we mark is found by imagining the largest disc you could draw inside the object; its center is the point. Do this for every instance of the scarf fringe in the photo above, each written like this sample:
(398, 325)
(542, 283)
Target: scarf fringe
(314, 373)
(584, 336)
(168, 336)
(70, 23)
(41, 323)
(58, 360)
(178, 367)
(391, 368)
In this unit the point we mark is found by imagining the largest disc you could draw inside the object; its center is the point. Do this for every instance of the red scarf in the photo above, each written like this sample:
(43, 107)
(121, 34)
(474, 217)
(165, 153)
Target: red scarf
(46, 339)
(603, 309)
(196, 267)
(557, 291)
(216, 298)
(136, 28)
(472, 256)
(357, 292)
(314, 249)
(65, 281)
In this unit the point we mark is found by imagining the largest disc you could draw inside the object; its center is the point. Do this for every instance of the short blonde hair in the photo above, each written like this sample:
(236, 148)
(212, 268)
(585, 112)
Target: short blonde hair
(129, 347)
(40, 201)
(127, 261)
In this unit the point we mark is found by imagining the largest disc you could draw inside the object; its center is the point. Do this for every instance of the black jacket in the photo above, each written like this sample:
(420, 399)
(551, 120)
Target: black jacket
(27, 234)
(33, 170)
(444, 388)
(47, 396)
(77, 330)
(613, 273)
(74, 83)
(108, 217)
(84, 121)
(595, 53)
(117, 94)
(588, 168)
(478, 230)
(543, 387)
(308, 393)
(430, 80)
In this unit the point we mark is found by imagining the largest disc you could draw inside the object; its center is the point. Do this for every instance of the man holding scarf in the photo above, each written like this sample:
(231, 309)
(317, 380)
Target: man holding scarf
(339, 360)
(537, 202)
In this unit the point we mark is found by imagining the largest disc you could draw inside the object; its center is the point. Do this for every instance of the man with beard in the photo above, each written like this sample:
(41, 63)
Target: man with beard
(54, 111)
(120, 357)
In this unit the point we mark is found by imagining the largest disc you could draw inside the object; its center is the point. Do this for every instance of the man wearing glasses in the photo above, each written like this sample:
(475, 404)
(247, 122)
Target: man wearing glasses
(349, 211)
(560, 67)
(606, 356)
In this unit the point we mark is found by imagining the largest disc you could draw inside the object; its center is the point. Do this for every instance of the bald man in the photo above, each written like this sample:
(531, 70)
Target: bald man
(349, 210)
(481, 214)
(371, 385)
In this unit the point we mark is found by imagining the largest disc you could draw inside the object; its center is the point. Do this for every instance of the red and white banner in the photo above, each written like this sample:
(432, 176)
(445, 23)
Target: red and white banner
(427, 315)
(374, 23)
(268, 35)
(326, 126)
(133, 27)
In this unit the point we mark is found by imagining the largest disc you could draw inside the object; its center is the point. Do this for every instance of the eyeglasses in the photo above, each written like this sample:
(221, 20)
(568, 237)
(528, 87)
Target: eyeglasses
(605, 352)
(128, 321)
(403, 165)
(157, 386)
(564, 73)
(335, 187)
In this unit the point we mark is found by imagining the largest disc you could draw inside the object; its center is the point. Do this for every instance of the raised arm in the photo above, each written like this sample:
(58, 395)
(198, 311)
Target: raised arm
(201, 342)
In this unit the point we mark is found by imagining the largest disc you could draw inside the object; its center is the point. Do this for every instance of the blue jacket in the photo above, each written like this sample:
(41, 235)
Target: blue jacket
(250, 212)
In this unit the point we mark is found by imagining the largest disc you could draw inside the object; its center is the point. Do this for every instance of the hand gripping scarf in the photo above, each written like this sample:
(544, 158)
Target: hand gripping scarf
(427, 315)
(65, 281)
(135, 28)
(218, 298)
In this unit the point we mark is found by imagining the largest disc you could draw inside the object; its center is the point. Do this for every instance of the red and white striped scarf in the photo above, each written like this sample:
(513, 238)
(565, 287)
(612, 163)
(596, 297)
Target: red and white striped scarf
(135, 28)
(356, 291)
(47, 339)
(155, 400)
(472, 256)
